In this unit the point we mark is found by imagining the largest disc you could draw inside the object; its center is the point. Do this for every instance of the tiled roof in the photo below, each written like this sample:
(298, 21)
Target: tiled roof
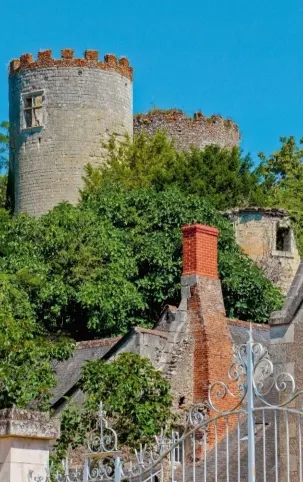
(239, 332)
(68, 372)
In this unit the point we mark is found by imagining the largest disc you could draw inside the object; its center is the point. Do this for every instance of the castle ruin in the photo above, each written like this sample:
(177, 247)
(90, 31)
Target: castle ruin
(61, 113)
(197, 131)
(266, 236)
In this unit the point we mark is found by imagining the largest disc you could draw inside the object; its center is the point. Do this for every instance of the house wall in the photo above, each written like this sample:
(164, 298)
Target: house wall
(256, 233)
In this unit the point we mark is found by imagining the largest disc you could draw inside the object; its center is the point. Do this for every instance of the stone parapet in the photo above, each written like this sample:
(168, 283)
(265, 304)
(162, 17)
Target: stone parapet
(25, 439)
(90, 60)
(198, 131)
(23, 423)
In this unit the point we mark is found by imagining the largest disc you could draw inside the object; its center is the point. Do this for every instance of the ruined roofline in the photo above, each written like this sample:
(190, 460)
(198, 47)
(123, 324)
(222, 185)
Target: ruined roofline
(175, 115)
(90, 60)
(97, 343)
(247, 324)
(273, 212)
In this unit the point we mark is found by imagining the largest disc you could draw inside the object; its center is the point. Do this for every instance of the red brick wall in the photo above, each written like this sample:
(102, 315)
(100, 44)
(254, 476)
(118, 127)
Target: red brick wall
(200, 250)
(208, 325)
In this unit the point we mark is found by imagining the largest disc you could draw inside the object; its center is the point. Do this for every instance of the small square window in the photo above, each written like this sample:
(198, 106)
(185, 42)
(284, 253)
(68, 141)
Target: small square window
(33, 110)
(283, 239)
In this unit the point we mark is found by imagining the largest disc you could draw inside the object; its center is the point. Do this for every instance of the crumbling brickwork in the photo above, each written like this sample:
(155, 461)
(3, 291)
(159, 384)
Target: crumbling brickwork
(199, 348)
(265, 234)
(61, 111)
(198, 131)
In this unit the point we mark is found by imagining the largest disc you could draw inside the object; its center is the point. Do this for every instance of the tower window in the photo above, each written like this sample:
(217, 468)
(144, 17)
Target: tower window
(283, 239)
(32, 109)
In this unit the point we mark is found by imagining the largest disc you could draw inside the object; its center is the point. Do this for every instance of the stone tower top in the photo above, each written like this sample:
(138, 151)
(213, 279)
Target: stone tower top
(90, 60)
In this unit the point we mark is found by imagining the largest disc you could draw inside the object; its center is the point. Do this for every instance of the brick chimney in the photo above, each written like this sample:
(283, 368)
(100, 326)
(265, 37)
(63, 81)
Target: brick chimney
(207, 322)
(200, 250)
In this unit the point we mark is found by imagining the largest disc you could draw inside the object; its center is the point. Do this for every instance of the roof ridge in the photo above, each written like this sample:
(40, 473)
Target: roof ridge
(149, 331)
(246, 324)
(96, 343)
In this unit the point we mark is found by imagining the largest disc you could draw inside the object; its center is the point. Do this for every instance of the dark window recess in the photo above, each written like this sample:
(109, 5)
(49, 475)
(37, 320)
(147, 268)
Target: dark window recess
(33, 111)
(283, 239)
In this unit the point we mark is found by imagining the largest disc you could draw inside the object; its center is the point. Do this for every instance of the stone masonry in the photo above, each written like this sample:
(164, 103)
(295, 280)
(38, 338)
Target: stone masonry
(265, 234)
(61, 111)
(198, 131)
(25, 441)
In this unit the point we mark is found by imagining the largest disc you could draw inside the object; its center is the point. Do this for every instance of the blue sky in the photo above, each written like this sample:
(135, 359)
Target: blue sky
(241, 59)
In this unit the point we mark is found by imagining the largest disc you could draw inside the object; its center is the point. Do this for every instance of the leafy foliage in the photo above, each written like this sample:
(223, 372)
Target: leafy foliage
(73, 432)
(220, 175)
(152, 222)
(26, 351)
(76, 268)
(135, 396)
(115, 260)
(282, 181)
(4, 144)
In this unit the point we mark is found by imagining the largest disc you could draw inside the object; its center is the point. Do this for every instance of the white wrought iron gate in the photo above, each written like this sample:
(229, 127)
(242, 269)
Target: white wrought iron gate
(258, 440)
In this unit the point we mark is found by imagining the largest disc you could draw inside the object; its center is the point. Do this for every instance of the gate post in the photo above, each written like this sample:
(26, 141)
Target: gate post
(250, 410)
(25, 443)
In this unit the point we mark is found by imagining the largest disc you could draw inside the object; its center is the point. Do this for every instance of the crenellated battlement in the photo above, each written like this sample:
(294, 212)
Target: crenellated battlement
(90, 60)
(186, 131)
(177, 115)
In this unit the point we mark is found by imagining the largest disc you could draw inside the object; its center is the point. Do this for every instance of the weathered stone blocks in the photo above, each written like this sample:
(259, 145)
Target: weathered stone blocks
(82, 105)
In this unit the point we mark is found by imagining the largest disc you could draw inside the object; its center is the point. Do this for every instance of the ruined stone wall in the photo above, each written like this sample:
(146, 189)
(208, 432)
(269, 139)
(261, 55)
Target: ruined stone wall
(256, 233)
(83, 102)
(198, 131)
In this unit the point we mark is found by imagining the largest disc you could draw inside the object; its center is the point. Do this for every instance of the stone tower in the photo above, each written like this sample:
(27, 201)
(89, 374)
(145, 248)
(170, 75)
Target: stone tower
(198, 131)
(60, 113)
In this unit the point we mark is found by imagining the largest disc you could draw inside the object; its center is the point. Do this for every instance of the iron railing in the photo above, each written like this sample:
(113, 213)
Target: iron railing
(258, 440)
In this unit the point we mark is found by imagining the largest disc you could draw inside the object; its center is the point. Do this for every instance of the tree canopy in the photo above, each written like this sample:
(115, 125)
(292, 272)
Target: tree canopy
(281, 176)
(4, 147)
(135, 397)
(222, 176)
(115, 260)
(27, 351)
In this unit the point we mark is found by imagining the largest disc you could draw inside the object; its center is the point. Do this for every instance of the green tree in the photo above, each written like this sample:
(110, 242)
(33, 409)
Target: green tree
(282, 181)
(135, 396)
(4, 148)
(26, 351)
(152, 221)
(82, 267)
(4, 145)
(222, 176)
(115, 260)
